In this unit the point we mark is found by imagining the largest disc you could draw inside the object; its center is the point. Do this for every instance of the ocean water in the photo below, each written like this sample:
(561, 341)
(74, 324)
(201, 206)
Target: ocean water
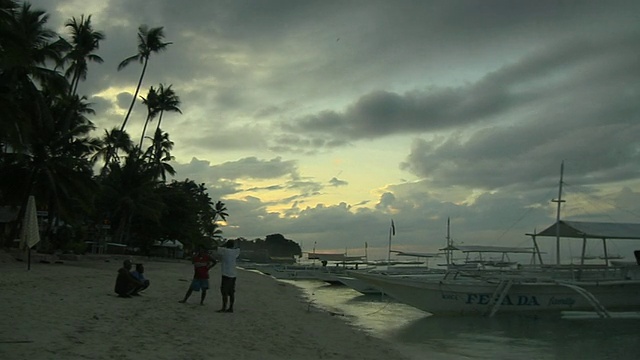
(421, 336)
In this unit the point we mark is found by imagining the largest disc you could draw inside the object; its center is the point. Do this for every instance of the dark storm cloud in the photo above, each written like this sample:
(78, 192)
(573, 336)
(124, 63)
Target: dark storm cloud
(387, 201)
(209, 137)
(246, 168)
(411, 37)
(99, 104)
(528, 155)
(603, 71)
(308, 188)
(124, 100)
(293, 143)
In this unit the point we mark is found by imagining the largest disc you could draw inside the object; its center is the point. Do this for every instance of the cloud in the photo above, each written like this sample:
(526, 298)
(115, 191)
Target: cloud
(550, 82)
(246, 168)
(467, 107)
(337, 182)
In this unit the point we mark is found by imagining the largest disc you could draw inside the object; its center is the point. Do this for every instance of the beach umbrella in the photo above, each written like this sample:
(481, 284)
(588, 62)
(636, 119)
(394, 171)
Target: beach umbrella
(30, 234)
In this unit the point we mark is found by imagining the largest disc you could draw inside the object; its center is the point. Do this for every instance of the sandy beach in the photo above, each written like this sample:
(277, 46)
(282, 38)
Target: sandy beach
(69, 311)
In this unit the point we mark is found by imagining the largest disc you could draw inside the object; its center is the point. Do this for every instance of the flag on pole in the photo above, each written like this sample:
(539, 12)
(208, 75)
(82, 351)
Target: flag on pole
(393, 228)
(30, 235)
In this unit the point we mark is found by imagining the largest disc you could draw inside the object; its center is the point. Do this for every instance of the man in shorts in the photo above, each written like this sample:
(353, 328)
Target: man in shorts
(228, 255)
(202, 262)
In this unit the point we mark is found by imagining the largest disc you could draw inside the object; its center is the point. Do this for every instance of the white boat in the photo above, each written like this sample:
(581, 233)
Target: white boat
(368, 289)
(290, 272)
(331, 275)
(358, 285)
(536, 289)
(471, 263)
(388, 267)
(515, 294)
(611, 256)
(328, 266)
(470, 266)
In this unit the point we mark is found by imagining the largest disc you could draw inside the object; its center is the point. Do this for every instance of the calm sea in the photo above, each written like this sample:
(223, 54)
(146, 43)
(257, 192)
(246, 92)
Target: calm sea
(421, 336)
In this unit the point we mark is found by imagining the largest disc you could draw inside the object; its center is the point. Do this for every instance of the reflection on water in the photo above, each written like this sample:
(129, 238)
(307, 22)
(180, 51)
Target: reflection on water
(502, 337)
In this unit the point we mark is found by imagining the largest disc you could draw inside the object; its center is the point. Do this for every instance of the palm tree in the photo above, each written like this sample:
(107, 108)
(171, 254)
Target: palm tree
(62, 151)
(219, 210)
(157, 102)
(151, 101)
(112, 142)
(26, 46)
(85, 41)
(167, 101)
(216, 234)
(149, 41)
(38, 144)
(6, 9)
(160, 154)
(54, 165)
(128, 191)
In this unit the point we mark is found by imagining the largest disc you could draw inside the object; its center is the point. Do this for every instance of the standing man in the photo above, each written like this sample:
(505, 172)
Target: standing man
(202, 262)
(228, 255)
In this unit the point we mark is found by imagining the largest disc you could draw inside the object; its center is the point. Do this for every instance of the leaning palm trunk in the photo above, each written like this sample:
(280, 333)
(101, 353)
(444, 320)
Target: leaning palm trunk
(74, 86)
(76, 75)
(144, 130)
(135, 95)
(159, 120)
(109, 156)
(157, 141)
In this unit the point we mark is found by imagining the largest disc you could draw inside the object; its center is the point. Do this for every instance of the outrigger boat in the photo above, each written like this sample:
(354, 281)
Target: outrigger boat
(536, 289)
(330, 264)
(395, 268)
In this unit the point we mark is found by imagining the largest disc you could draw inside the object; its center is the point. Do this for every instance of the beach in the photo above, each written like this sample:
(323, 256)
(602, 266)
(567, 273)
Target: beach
(68, 310)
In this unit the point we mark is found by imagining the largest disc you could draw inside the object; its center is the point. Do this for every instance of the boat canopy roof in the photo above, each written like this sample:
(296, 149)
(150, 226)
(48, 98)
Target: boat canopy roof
(491, 249)
(333, 257)
(416, 254)
(592, 230)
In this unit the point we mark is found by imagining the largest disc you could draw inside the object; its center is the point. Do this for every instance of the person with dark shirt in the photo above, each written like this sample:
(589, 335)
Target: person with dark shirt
(202, 263)
(126, 284)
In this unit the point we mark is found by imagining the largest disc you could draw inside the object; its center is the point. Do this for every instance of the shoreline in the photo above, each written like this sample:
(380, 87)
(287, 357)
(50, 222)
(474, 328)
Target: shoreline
(70, 311)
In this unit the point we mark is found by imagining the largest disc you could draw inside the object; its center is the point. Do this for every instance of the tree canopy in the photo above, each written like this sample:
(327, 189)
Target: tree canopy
(49, 147)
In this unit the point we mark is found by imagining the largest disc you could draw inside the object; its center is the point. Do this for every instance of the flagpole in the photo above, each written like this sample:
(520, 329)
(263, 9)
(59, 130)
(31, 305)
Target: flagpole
(389, 251)
(366, 254)
(392, 231)
(314, 252)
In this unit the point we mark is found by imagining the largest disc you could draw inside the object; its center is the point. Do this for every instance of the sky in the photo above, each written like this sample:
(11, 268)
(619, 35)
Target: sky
(325, 120)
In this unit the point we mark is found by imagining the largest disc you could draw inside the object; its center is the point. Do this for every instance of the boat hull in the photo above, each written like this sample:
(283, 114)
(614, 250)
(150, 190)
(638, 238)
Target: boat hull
(478, 297)
(294, 272)
(359, 285)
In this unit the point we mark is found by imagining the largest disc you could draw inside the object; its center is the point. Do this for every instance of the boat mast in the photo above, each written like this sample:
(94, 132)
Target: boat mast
(448, 248)
(559, 201)
(366, 254)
